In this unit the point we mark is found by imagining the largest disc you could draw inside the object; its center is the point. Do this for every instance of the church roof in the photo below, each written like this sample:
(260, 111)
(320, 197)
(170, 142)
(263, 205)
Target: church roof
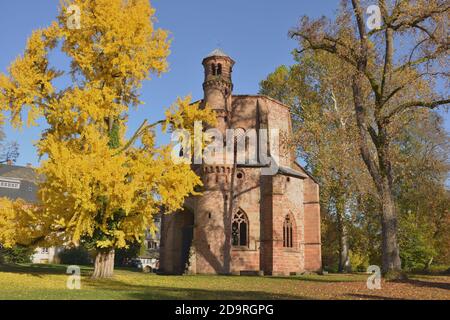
(217, 53)
(306, 172)
(291, 172)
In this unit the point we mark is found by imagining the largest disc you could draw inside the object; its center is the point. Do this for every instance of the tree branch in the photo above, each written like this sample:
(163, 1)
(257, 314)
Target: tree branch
(389, 49)
(417, 103)
(394, 91)
(333, 50)
(415, 20)
(137, 133)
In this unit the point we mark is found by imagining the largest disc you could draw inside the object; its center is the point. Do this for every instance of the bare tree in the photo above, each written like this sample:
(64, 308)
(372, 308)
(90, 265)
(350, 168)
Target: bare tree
(9, 152)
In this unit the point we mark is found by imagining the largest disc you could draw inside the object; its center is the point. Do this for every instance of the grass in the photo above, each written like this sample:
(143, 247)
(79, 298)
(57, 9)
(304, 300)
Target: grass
(48, 282)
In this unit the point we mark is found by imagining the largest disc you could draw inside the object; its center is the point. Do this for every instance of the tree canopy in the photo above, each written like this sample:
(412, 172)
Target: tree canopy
(364, 92)
(95, 183)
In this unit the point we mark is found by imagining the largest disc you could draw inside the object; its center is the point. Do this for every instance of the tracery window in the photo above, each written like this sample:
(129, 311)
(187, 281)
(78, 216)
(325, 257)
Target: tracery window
(239, 229)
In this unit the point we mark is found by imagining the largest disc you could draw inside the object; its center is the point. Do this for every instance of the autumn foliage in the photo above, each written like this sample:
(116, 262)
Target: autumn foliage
(95, 184)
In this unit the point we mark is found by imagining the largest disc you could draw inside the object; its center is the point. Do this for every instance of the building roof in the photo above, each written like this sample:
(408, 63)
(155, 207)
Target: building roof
(306, 172)
(256, 96)
(261, 96)
(291, 172)
(217, 53)
(18, 172)
(287, 171)
(18, 182)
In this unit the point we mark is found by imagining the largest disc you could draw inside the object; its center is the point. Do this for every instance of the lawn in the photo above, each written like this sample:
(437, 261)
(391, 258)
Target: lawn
(49, 282)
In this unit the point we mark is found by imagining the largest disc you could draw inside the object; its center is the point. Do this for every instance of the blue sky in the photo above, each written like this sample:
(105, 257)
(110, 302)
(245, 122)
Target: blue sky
(253, 32)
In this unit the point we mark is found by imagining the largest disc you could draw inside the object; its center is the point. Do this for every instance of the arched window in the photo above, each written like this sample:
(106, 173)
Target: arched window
(287, 232)
(213, 69)
(219, 69)
(239, 229)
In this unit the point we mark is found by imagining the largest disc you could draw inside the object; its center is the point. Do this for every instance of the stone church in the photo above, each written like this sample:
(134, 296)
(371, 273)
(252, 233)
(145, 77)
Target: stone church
(244, 222)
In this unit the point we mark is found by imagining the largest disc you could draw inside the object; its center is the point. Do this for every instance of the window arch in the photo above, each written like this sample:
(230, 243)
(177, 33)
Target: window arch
(239, 229)
(219, 69)
(288, 236)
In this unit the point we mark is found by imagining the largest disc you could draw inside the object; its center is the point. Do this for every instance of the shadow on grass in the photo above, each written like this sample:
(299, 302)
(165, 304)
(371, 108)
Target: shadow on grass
(325, 278)
(371, 297)
(425, 284)
(53, 268)
(129, 269)
(146, 292)
(38, 270)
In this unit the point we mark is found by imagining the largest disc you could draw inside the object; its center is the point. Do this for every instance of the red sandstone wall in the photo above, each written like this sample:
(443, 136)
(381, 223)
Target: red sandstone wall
(209, 236)
(313, 254)
(277, 198)
(247, 192)
(210, 228)
(287, 199)
(279, 117)
(266, 225)
(245, 112)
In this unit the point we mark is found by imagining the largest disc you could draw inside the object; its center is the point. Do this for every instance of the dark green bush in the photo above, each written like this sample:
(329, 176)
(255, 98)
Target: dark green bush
(416, 243)
(16, 254)
(124, 255)
(75, 256)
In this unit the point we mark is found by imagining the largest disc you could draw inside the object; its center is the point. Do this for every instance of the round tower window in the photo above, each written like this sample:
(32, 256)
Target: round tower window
(240, 175)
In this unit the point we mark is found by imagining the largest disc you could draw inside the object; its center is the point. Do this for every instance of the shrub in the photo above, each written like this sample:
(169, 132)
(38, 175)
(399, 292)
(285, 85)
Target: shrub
(16, 254)
(75, 256)
(124, 255)
(358, 261)
(416, 245)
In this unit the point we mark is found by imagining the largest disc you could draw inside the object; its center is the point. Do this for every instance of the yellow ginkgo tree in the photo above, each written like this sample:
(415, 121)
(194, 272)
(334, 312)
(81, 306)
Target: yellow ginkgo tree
(94, 185)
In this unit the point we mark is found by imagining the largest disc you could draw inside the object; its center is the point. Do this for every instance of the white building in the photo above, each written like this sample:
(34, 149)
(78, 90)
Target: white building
(46, 255)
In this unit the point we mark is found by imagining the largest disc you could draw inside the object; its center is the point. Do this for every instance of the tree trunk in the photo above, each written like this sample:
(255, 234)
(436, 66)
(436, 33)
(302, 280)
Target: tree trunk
(104, 264)
(381, 172)
(391, 263)
(344, 259)
(390, 251)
